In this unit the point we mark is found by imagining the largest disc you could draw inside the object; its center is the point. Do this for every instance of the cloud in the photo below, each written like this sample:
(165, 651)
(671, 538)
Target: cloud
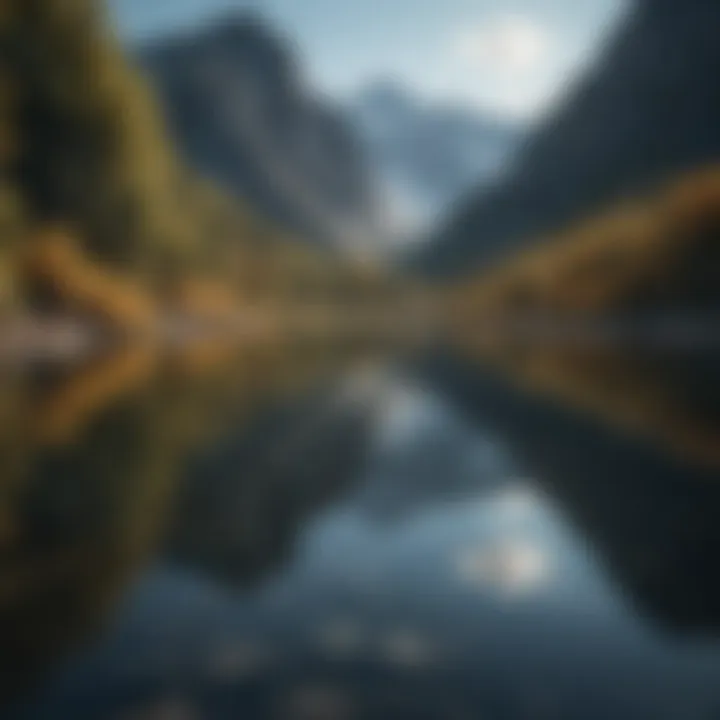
(511, 43)
(511, 63)
(512, 566)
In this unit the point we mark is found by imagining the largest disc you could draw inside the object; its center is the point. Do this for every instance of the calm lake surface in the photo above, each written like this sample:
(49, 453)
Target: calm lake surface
(373, 538)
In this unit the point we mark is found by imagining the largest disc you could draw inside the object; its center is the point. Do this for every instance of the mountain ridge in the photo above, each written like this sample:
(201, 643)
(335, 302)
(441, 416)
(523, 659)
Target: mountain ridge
(626, 128)
(270, 139)
(428, 153)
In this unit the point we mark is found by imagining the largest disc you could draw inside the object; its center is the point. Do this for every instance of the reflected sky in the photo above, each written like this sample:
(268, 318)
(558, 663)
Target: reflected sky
(478, 594)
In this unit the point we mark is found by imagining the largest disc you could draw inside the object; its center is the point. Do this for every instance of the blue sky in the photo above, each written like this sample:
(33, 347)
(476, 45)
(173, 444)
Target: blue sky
(512, 57)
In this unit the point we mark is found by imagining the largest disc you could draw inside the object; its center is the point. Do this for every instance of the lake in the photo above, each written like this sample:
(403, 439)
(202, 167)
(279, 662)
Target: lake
(330, 533)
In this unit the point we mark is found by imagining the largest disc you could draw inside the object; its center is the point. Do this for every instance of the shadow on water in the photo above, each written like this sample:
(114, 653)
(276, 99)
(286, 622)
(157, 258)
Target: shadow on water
(136, 486)
(100, 466)
(628, 444)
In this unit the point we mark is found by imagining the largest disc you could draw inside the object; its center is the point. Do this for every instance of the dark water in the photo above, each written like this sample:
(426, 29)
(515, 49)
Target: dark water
(372, 538)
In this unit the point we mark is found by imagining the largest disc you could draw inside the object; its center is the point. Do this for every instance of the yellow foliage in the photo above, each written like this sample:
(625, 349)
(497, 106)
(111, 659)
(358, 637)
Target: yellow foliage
(55, 263)
(204, 299)
(84, 146)
(624, 389)
(60, 418)
(634, 255)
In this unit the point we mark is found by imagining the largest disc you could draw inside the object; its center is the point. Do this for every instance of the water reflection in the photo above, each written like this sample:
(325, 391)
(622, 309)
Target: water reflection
(512, 566)
(305, 532)
(631, 464)
(93, 469)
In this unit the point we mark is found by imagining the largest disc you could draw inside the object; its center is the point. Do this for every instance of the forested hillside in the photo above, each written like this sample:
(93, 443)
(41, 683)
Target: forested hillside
(242, 112)
(648, 111)
(654, 256)
(101, 217)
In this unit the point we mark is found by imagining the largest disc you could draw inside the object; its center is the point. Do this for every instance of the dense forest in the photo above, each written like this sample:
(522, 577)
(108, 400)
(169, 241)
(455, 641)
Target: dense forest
(644, 112)
(102, 218)
(649, 257)
(135, 419)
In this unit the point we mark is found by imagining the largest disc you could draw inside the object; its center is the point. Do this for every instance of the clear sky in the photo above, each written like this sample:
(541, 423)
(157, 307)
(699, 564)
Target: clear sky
(510, 56)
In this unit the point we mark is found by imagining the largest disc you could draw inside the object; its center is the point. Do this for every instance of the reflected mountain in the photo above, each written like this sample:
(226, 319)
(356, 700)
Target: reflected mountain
(215, 464)
(627, 447)
(663, 393)
(242, 504)
(426, 457)
(96, 460)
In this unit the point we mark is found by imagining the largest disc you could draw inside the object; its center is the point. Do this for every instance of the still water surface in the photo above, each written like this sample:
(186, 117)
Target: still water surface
(382, 539)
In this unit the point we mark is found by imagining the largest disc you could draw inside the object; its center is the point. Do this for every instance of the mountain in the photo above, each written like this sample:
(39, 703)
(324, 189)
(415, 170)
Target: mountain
(651, 524)
(428, 154)
(87, 170)
(238, 527)
(647, 112)
(104, 219)
(650, 258)
(243, 115)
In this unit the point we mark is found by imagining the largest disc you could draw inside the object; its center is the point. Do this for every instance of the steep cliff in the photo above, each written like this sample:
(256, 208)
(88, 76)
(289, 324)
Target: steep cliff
(648, 111)
(99, 214)
(428, 154)
(243, 115)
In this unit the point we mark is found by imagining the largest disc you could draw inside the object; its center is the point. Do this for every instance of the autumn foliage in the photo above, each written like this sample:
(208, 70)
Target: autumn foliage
(651, 255)
(98, 214)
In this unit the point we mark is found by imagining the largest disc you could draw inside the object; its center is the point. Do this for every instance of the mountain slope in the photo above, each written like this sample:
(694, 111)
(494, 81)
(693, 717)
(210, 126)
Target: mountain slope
(428, 155)
(652, 258)
(649, 111)
(101, 218)
(87, 167)
(243, 116)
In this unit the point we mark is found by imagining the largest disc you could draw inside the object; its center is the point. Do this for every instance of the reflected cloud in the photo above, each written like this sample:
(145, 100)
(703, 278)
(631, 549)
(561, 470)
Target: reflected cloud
(512, 567)
(643, 495)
